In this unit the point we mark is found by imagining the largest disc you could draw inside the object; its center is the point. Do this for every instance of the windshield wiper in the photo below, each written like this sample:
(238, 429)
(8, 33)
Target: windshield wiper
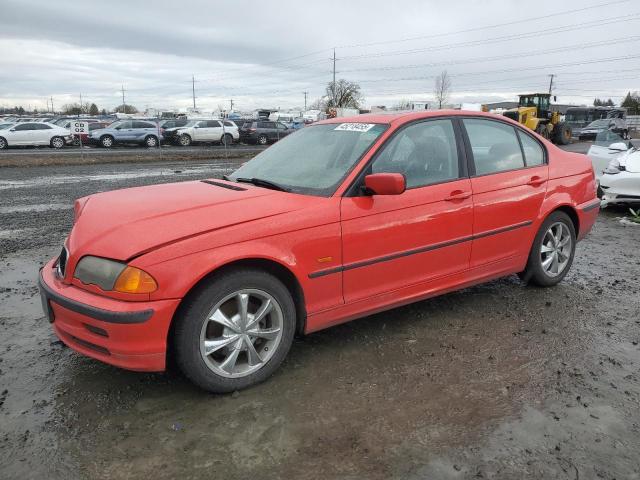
(259, 182)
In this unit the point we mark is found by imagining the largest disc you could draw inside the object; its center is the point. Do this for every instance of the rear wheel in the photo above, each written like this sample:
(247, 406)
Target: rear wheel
(151, 141)
(227, 140)
(552, 252)
(57, 142)
(262, 140)
(561, 134)
(3, 143)
(235, 331)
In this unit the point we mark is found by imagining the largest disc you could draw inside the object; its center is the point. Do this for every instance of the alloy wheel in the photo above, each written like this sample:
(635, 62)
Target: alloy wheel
(57, 142)
(241, 333)
(555, 250)
(151, 142)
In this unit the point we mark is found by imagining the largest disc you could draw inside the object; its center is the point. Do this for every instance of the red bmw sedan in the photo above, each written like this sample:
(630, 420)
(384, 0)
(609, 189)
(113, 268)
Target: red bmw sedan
(342, 219)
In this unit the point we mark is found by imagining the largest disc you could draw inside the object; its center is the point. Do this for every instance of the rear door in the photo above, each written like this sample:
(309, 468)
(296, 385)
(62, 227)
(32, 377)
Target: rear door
(395, 241)
(509, 181)
(142, 129)
(42, 134)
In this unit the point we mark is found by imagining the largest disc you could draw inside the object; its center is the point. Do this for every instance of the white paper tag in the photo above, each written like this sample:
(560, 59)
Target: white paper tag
(355, 127)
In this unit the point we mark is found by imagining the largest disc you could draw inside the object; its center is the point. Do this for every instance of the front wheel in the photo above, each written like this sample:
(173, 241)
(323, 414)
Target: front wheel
(235, 330)
(3, 143)
(106, 141)
(262, 140)
(552, 252)
(562, 134)
(184, 140)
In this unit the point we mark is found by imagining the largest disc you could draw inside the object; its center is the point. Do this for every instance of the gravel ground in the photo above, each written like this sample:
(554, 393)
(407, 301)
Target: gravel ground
(496, 381)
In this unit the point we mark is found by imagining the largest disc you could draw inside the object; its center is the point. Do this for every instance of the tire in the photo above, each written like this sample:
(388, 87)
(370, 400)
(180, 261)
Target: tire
(262, 140)
(227, 140)
(57, 142)
(106, 141)
(151, 141)
(536, 272)
(625, 135)
(184, 140)
(561, 134)
(3, 143)
(223, 370)
(542, 130)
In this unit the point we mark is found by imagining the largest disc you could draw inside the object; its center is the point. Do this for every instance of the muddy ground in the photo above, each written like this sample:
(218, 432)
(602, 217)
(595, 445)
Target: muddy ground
(497, 381)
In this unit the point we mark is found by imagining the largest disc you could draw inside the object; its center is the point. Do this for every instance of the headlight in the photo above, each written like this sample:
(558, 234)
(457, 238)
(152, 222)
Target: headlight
(111, 275)
(614, 167)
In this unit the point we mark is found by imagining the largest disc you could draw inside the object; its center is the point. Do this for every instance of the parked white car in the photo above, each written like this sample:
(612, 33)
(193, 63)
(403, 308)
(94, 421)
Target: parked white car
(223, 131)
(607, 146)
(616, 163)
(34, 133)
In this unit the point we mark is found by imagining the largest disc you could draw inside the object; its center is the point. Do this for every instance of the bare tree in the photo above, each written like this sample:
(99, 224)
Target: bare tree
(125, 109)
(442, 88)
(343, 94)
(319, 104)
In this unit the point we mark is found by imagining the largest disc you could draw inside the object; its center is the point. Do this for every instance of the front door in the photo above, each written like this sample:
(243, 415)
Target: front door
(509, 185)
(390, 242)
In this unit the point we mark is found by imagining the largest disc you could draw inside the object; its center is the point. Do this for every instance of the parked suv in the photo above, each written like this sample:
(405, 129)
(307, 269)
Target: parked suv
(616, 125)
(223, 131)
(263, 132)
(34, 133)
(143, 132)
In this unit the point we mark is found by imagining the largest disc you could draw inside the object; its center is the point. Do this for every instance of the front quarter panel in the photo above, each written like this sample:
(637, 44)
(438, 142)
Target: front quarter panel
(302, 241)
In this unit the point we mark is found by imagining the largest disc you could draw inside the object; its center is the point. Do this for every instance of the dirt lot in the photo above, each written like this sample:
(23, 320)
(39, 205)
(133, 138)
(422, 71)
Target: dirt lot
(497, 381)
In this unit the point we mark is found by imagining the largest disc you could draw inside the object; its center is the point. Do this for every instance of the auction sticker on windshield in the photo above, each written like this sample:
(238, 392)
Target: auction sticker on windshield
(355, 127)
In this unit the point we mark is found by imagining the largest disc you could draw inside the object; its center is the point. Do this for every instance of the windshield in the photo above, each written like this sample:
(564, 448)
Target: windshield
(607, 137)
(313, 160)
(5, 125)
(599, 123)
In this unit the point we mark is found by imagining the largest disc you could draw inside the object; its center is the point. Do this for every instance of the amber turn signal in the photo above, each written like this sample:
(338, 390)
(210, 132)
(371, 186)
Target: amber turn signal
(134, 280)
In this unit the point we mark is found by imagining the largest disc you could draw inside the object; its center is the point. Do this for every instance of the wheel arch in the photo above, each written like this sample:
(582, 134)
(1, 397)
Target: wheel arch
(571, 213)
(275, 268)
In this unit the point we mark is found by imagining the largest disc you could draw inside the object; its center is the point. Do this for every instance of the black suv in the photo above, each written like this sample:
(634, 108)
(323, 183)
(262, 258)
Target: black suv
(263, 132)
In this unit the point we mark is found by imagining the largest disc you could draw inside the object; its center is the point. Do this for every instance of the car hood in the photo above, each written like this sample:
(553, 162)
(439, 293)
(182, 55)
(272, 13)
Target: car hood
(123, 224)
(631, 161)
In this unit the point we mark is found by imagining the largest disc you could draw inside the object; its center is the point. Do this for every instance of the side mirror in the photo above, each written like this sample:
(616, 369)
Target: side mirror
(12, 130)
(385, 183)
(618, 147)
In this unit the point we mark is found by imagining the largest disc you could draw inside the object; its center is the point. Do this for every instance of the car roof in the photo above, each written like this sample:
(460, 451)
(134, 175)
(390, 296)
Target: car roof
(408, 116)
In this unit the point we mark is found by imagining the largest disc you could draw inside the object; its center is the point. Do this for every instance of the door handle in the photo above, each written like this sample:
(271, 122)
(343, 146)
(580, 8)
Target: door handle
(457, 195)
(536, 181)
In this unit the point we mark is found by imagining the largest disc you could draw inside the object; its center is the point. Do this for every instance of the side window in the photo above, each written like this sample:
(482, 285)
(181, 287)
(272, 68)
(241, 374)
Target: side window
(213, 124)
(44, 126)
(143, 125)
(425, 153)
(229, 124)
(262, 125)
(125, 125)
(533, 152)
(282, 126)
(495, 146)
(25, 126)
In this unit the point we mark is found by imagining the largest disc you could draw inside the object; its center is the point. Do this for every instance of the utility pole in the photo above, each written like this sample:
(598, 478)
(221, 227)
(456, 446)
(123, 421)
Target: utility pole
(305, 100)
(231, 102)
(551, 83)
(333, 85)
(80, 102)
(123, 104)
(193, 90)
(52, 110)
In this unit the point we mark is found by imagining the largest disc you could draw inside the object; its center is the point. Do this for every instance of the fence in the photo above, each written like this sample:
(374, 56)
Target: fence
(633, 121)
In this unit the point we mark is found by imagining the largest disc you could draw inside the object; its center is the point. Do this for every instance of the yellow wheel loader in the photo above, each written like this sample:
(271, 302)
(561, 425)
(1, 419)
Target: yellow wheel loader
(534, 111)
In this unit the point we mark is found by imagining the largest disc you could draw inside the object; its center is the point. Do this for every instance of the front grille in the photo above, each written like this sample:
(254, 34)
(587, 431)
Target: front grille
(511, 115)
(61, 265)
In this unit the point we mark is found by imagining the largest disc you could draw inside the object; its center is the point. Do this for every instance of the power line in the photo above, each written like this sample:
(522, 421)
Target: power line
(503, 38)
(487, 27)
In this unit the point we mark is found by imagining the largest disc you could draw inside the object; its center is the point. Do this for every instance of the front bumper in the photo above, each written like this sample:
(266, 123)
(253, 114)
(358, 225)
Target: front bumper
(130, 335)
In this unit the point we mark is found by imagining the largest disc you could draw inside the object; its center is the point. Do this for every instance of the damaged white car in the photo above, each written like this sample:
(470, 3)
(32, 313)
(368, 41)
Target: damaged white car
(616, 163)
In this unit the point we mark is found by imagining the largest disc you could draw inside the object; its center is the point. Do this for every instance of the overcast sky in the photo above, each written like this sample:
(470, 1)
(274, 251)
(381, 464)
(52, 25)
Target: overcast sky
(267, 53)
